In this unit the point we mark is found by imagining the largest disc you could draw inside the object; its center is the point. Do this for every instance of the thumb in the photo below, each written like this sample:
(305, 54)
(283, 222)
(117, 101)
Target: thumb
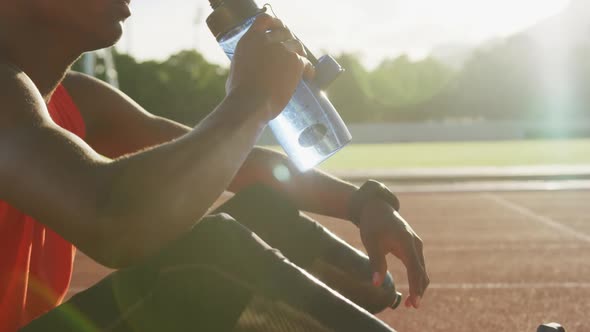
(265, 22)
(378, 264)
(308, 69)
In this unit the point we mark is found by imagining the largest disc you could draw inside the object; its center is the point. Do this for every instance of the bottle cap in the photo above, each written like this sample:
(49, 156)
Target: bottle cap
(327, 70)
(228, 14)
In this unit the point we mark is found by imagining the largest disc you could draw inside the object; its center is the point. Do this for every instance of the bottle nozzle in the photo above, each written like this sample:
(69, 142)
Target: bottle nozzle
(228, 14)
(397, 301)
(215, 3)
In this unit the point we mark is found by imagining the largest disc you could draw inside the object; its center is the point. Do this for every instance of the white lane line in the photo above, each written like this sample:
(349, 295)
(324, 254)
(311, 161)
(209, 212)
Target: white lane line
(506, 285)
(537, 217)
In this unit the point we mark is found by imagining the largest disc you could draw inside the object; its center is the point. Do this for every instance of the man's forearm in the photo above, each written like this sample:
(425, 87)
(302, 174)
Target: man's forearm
(313, 191)
(176, 183)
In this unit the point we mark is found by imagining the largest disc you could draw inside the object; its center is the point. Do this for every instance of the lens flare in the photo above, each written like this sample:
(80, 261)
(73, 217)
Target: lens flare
(281, 173)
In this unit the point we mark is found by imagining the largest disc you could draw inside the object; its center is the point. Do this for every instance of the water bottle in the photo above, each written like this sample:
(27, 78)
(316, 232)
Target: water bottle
(309, 129)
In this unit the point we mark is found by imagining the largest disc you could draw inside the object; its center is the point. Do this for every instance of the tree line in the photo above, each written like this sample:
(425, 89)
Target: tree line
(504, 82)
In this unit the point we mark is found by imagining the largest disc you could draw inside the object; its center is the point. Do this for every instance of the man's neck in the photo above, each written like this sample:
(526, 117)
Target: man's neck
(39, 55)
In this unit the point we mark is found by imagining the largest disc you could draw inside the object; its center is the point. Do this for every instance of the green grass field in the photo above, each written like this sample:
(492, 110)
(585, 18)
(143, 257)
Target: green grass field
(468, 154)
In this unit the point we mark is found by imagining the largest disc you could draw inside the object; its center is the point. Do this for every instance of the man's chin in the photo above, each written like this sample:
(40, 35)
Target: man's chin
(105, 38)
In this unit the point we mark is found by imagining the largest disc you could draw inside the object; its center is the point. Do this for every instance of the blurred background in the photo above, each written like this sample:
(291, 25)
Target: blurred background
(475, 112)
(417, 71)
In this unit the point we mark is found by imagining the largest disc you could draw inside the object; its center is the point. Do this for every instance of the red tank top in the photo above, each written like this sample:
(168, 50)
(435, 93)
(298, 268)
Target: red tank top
(35, 263)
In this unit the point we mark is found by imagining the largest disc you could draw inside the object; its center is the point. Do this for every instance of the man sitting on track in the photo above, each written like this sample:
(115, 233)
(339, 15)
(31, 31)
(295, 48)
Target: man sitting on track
(82, 165)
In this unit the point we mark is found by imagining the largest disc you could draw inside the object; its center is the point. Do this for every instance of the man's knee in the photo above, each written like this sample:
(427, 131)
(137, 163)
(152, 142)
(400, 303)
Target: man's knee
(223, 230)
(216, 224)
(216, 240)
(260, 204)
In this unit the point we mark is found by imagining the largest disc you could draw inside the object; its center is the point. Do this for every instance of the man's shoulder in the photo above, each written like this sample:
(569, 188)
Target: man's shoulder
(82, 86)
(19, 97)
(8, 68)
(100, 103)
(11, 77)
(91, 95)
(74, 78)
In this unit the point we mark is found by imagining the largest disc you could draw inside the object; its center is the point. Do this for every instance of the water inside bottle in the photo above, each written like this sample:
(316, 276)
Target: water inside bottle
(309, 129)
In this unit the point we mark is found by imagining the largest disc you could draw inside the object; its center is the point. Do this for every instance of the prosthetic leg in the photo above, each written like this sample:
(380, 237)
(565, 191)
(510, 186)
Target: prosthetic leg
(311, 246)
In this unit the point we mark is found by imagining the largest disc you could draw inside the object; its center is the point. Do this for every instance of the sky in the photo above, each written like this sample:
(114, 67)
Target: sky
(373, 29)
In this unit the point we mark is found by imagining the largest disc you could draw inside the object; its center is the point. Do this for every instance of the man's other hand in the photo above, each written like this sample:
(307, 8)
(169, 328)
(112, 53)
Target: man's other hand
(383, 231)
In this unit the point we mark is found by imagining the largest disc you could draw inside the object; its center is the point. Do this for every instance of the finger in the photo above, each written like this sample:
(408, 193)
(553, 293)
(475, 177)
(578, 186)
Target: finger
(295, 46)
(415, 281)
(265, 22)
(416, 277)
(420, 251)
(378, 264)
(308, 69)
(279, 35)
(415, 246)
(407, 254)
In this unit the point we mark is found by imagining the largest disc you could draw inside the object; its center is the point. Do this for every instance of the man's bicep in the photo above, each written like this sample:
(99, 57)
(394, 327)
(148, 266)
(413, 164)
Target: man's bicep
(51, 175)
(117, 125)
(45, 171)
